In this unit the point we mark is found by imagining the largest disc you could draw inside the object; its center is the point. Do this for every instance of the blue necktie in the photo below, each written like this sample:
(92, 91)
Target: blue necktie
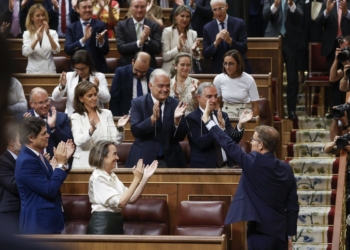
(159, 124)
(223, 42)
(139, 88)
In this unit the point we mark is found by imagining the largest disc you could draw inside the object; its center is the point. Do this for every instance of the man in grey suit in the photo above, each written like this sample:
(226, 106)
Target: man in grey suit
(285, 18)
(138, 34)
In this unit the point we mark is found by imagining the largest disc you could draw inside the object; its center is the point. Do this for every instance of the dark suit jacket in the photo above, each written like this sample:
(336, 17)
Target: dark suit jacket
(53, 15)
(39, 186)
(266, 193)
(330, 28)
(200, 17)
(203, 151)
(126, 42)
(148, 138)
(238, 33)
(62, 131)
(293, 23)
(6, 14)
(121, 90)
(10, 204)
(74, 33)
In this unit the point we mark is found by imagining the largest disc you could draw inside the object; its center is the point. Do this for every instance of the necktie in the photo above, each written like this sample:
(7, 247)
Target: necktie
(15, 29)
(139, 88)
(160, 123)
(223, 42)
(219, 158)
(63, 16)
(84, 26)
(138, 30)
(283, 28)
(340, 14)
(42, 159)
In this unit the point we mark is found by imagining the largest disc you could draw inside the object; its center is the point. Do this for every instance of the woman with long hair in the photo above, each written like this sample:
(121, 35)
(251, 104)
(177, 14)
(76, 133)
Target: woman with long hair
(179, 38)
(237, 89)
(84, 70)
(39, 42)
(91, 123)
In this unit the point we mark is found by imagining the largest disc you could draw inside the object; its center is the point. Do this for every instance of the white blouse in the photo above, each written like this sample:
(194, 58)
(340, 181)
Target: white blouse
(105, 191)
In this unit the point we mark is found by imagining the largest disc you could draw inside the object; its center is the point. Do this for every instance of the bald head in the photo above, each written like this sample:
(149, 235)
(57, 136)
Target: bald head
(39, 101)
(144, 57)
(141, 64)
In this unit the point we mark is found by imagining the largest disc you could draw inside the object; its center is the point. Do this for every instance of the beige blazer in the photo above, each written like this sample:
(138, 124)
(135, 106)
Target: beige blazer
(40, 60)
(106, 130)
(170, 41)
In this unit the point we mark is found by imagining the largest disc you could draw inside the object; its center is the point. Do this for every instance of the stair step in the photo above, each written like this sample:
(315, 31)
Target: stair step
(301, 99)
(316, 198)
(313, 122)
(314, 166)
(313, 234)
(316, 216)
(300, 110)
(307, 149)
(300, 246)
(309, 135)
(311, 182)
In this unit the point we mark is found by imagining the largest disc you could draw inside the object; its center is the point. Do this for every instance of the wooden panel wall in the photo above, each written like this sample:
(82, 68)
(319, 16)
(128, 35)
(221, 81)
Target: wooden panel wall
(176, 185)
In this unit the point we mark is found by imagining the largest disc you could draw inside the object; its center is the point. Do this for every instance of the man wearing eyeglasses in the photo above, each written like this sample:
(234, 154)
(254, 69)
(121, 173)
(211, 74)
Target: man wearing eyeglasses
(222, 34)
(205, 152)
(266, 195)
(129, 82)
(57, 123)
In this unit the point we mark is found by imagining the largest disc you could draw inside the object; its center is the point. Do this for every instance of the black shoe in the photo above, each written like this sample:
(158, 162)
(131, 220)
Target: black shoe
(292, 115)
(329, 116)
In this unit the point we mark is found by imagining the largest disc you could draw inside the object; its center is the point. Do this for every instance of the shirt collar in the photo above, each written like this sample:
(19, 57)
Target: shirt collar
(155, 100)
(34, 151)
(81, 21)
(104, 173)
(13, 154)
(225, 21)
(135, 22)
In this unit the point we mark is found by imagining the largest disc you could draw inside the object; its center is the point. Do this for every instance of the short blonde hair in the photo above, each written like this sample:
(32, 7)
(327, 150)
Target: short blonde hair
(29, 23)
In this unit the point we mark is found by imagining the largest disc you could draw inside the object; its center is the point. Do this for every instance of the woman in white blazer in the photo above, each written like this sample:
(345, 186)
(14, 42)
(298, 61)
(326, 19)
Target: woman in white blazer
(91, 124)
(39, 42)
(84, 70)
(179, 38)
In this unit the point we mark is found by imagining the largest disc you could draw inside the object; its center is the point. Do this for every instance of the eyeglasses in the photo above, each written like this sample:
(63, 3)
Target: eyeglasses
(228, 65)
(48, 101)
(218, 9)
(80, 69)
(252, 139)
(136, 71)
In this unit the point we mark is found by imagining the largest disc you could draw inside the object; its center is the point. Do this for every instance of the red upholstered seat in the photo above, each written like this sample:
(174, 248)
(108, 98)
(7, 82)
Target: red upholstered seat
(77, 210)
(62, 63)
(59, 105)
(146, 217)
(201, 218)
(112, 64)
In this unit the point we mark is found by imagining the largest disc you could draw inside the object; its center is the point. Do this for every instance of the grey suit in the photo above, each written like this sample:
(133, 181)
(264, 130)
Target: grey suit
(291, 42)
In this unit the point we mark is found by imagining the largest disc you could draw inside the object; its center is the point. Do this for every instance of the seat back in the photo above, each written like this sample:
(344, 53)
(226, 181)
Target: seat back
(62, 63)
(123, 150)
(201, 218)
(112, 64)
(77, 210)
(317, 63)
(59, 105)
(146, 217)
(187, 151)
(159, 60)
(265, 114)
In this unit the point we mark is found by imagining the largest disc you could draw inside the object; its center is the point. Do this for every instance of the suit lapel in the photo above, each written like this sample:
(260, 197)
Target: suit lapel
(132, 31)
(199, 114)
(129, 83)
(167, 114)
(79, 30)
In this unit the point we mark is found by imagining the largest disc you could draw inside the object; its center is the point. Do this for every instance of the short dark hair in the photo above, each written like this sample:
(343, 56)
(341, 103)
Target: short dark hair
(80, 90)
(30, 126)
(98, 152)
(239, 59)
(11, 131)
(269, 137)
(83, 56)
(79, 1)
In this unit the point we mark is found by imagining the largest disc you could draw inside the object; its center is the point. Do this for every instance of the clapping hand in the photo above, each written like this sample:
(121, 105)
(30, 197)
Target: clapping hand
(330, 5)
(47, 156)
(221, 119)
(39, 33)
(245, 117)
(182, 41)
(53, 162)
(123, 121)
(145, 34)
(99, 36)
(180, 110)
(88, 32)
(60, 153)
(206, 113)
(174, 87)
(4, 27)
(92, 126)
(70, 148)
(344, 7)
(63, 79)
(138, 170)
(27, 114)
(149, 170)
(194, 86)
(149, 5)
(156, 112)
(277, 3)
(96, 81)
(46, 28)
(179, 2)
(51, 118)
(55, 4)
(290, 3)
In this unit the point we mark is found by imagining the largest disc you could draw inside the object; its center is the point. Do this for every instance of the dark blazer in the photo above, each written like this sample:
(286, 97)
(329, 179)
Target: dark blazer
(126, 42)
(9, 197)
(62, 131)
(121, 90)
(266, 193)
(149, 138)
(238, 33)
(293, 24)
(53, 15)
(6, 14)
(39, 186)
(74, 33)
(330, 27)
(200, 17)
(203, 151)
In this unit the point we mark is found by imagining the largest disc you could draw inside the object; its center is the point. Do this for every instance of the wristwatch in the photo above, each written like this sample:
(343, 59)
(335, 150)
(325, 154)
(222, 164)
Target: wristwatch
(64, 167)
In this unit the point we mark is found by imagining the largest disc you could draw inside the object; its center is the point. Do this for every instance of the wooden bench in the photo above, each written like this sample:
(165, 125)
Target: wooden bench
(128, 242)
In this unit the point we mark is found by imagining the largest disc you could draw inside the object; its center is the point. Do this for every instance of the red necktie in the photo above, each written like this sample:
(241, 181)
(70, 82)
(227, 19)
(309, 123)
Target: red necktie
(63, 16)
(340, 14)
